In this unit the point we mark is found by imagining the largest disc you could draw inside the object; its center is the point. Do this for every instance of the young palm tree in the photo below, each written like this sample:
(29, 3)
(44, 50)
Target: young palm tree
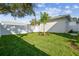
(43, 19)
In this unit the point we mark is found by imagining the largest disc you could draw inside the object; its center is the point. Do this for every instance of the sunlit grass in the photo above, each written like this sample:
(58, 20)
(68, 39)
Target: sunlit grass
(34, 44)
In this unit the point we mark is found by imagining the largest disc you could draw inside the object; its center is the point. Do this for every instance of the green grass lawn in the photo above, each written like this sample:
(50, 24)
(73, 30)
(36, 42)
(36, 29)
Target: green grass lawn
(33, 44)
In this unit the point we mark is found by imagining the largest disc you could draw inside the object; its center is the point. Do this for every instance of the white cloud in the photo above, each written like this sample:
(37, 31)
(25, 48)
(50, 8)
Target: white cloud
(67, 7)
(76, 6)
(57, 3)
(52, 11)
(41, 5)
(67, 11)
(55, 11)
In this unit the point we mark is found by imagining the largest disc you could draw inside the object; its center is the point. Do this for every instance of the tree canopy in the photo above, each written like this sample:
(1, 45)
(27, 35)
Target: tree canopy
(44, 17)
(17, 9)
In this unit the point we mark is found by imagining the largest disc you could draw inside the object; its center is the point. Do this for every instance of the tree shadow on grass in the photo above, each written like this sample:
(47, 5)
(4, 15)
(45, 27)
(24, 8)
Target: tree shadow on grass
(12, 45)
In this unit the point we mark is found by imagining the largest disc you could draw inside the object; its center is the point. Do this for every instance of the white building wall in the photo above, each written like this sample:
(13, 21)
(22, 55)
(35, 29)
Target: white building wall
(59, 26)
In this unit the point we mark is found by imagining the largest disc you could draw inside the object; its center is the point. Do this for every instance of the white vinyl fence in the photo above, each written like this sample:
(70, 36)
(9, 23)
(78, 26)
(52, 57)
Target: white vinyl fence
(12, 27)
(57, 26)
(74, 26)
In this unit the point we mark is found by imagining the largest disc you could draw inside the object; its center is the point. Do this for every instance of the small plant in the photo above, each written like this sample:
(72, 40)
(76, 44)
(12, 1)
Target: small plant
(78, 36)
(71, 31)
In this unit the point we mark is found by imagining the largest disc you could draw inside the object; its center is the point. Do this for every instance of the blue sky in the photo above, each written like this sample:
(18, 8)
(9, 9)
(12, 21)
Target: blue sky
(53, 9)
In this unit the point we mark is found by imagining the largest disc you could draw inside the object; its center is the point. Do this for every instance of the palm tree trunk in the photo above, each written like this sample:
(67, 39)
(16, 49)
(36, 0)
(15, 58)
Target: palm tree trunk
(0, 31)
(43, 29)
(35, 20)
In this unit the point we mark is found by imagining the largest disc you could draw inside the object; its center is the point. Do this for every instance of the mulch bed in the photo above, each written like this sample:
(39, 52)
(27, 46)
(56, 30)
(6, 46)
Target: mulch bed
(73, 45)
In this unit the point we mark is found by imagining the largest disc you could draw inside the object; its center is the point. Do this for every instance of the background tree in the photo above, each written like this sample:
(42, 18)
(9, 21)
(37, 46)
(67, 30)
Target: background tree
(33, 22)
(38, 22)
(43, 19)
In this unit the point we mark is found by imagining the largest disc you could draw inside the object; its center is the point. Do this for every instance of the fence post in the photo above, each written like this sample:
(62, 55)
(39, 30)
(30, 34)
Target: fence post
(0, 29)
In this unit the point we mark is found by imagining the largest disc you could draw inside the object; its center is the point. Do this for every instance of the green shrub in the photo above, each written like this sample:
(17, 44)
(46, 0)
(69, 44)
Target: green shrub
(71, 31)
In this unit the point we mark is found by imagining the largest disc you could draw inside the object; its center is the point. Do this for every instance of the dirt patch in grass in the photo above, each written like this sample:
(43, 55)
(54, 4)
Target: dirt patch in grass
(73, 45)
